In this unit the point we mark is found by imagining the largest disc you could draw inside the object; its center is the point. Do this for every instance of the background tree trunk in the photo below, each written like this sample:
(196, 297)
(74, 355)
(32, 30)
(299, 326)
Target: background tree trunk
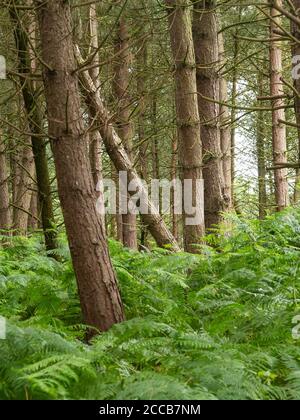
(125, 128)
(205, 35)
(5, 214)
(188, 124)
(279, 129)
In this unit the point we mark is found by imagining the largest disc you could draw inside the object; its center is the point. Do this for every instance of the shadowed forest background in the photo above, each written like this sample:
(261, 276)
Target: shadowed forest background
(147, 306)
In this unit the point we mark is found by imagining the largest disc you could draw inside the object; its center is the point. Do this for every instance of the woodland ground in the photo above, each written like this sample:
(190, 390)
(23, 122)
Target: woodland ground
(214, 326)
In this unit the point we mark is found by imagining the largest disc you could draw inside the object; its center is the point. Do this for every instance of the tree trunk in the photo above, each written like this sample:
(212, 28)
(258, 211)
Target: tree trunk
(119, 157)
(124, 125)
(5, 215)
(279, 129)
(23, 177)
(205, 35)
(260, 150)
(99, 296)
(188, 124)
(295, 30)
(38, 141)
(225, 131)
(95, 144)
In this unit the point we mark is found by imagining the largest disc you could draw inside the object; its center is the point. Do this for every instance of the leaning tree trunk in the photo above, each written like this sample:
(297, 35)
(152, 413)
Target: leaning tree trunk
(5, 215)
(123, 115)
(188, 124)
(279, 129)
(97, 284)
(205, 36)
(35, 122)
(115, 149)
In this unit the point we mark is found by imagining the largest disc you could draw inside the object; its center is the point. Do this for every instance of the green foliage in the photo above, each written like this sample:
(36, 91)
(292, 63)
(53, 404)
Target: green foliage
(214, 326)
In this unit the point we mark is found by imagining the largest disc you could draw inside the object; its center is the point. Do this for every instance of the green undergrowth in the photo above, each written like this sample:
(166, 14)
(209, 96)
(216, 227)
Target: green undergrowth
(214, 326)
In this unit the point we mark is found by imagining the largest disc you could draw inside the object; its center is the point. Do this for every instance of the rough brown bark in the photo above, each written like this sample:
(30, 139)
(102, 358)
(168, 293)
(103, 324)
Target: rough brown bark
(260, 151)
(124, 125)
(278, 129)
(225, 132)
(23, 177)
(205, 36)
(295, 30)
(95, 144)
(119, 157)
(188, 124)
(99, 296)
(5, 214)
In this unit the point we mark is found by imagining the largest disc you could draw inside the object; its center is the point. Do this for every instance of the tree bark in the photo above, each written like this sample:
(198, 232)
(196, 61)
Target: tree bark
(95, 144)
(124, 125)
(23, 177)
(260, 151)
(278, 129)
(99, 295)
(205, 36)
(188, 124)
(225, 131)
(5, 214)
(295, 30)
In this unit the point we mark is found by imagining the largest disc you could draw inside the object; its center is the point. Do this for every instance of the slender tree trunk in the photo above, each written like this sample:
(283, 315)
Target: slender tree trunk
(125, 128)
(142, 58)
(174, 164)
(205, 35)
(95, 145)
(99, 296)
(233, 115)
(225, 131)
(188, 124)
(5, 215)
(119, 157)
(260, 151)
(279, 129)
(24, 171)
(38, 141)
(33, 218)
(295, 30)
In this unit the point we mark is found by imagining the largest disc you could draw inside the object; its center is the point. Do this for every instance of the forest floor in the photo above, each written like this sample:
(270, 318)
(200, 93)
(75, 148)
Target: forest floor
(214, 326)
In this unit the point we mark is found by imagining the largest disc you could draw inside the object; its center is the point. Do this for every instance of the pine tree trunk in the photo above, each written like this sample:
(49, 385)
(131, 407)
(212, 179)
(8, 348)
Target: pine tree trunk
(205, 35)
(295, 30)
(188, 124)
(225, 131)
(125, 128)
(260, 151)
(279, 129)
(99, 296)
(5, 214)
(24, 171)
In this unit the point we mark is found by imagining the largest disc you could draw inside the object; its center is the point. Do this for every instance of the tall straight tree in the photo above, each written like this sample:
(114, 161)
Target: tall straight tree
(279, 129)
(295, 30)
(205, 36)
(99, 295)
(188, 124)
(125, 127)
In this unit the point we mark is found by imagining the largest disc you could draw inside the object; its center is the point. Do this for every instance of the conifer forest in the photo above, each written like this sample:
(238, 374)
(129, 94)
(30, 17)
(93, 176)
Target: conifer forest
(149, 201)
